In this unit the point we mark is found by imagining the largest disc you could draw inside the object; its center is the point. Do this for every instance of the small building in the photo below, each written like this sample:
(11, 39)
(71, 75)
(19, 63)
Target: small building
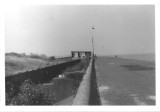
(80, 54)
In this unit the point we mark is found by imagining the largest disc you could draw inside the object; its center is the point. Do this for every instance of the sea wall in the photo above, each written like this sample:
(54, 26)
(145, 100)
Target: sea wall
(88, 93)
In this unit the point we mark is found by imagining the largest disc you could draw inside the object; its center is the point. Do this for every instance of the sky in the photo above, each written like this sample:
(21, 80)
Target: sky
(58, 29)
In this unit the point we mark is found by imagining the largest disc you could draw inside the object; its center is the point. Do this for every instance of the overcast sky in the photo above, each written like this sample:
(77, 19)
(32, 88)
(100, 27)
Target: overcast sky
(56, 30)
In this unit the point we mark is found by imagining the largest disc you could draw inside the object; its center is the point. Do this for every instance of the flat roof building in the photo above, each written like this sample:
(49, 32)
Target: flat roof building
(80, 54)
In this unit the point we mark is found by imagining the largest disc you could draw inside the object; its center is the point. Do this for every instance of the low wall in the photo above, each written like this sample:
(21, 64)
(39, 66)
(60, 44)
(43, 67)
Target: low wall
(42, 75)
(88, 93)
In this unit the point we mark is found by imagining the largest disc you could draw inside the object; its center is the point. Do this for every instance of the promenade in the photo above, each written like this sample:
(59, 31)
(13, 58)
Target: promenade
(125, 81)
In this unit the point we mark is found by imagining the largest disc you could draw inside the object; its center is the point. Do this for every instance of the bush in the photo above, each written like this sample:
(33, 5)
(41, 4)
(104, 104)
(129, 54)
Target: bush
(29, 95)
(52, 58)
(13, 54)
(41, 56)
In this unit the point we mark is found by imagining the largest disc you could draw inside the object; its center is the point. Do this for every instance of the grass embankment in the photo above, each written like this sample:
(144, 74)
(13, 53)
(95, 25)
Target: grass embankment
(15, 64)
(52, 93)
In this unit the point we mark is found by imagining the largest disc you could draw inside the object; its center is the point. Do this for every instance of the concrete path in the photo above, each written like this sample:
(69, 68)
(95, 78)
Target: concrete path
(125, 81)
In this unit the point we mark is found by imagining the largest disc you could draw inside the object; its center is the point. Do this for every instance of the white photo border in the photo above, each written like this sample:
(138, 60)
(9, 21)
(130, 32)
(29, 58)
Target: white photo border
(5, 108)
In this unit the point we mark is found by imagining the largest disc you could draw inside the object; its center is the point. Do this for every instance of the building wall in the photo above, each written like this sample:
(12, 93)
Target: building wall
(80, 54)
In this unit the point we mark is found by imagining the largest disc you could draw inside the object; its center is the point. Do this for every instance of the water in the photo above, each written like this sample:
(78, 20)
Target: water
(124, 81)
(145, 57)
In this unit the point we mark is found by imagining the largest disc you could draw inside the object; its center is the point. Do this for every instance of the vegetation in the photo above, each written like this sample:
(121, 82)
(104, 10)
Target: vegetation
(15, 62)
(32, 55)
(30, 94)
(46, 94)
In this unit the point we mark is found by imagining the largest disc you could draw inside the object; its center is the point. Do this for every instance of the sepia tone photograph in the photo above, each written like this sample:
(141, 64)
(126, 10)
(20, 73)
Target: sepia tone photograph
(80, 55)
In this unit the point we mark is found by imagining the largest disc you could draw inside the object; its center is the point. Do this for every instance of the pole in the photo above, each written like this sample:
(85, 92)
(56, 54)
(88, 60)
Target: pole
(92, 45)
(92, 41)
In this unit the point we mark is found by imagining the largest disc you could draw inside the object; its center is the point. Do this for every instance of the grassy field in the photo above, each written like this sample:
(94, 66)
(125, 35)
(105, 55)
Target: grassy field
(15, 64)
